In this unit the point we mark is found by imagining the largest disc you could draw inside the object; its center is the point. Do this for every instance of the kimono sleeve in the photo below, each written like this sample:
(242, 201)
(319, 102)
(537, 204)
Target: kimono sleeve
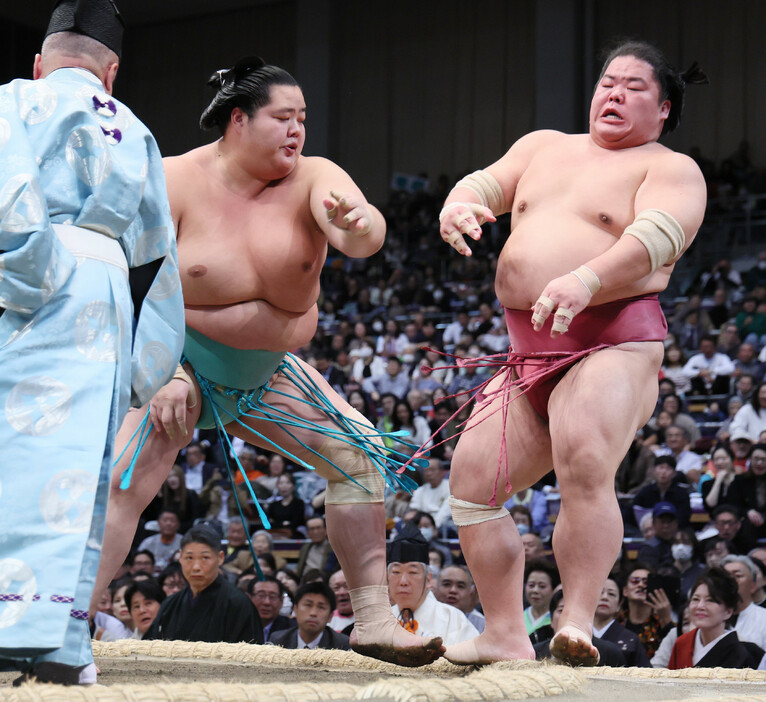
(34, 264)
(155, 285)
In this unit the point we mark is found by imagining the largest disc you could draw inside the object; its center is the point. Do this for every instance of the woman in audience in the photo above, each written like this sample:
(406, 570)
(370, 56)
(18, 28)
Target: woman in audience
(120, 608)
(751, 419)
(709, 644)
(540, 580)
(673, 368)
(173, 495)
(172, 579)
(416, 427)
(654, 432)
(275, 469)
(393, 342)
(286, 512)
(143, 599)
(748, 492)
(719, 475)
(359, 401)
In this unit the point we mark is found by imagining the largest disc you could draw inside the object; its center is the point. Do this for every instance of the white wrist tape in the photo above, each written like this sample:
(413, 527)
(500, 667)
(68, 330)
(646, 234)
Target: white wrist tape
(660, 233)
(485, 185)
(588, 278)
(181, 374)
(452, 205)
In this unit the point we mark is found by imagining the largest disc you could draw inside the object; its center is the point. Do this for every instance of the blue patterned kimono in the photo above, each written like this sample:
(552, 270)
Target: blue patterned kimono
(78, 338)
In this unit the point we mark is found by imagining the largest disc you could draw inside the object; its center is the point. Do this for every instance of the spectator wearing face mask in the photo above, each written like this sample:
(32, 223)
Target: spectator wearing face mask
(687, 558)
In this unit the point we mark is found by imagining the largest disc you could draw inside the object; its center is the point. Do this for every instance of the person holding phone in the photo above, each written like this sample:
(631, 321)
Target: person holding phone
(646, 614)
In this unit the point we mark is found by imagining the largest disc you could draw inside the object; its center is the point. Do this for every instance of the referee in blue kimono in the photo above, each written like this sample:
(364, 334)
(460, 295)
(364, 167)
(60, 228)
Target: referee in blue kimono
(91, 318)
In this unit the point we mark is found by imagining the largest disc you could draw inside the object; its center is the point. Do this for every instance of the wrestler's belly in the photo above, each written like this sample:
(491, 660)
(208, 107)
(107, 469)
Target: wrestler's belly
(255, 324)
(541, 250)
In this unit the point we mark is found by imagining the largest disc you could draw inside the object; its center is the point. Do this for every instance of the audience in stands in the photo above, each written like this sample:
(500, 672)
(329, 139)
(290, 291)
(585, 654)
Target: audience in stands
(541, 578)
(209, 608)
(165, 543)
(751, 619)
(316, 553)
(267, 595)
(709, 644)
(143, 600)
(607, 628)
(343, 616)
(665, 488)
(646, 614)
(313, 607)
(455, 587)
(414, 604)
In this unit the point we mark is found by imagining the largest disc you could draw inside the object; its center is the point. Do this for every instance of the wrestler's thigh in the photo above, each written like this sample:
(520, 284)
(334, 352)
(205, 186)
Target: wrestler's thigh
(157, 453)
(598, 406)
(285, 396)
(475, 461)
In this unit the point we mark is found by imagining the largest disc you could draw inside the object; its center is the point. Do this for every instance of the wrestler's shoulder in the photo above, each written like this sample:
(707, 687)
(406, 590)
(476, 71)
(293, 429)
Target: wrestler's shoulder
(661, 157)
(541, 138)
(187, 162)
(317, 165)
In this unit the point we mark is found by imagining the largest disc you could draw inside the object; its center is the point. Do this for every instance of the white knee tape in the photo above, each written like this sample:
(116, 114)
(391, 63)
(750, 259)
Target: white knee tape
(468, 513)
(344, 492)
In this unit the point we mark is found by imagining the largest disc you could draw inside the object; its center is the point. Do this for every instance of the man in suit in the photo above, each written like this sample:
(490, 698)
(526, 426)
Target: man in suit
(313, 606)
(267, 595)
(196, 468)
(317, 551)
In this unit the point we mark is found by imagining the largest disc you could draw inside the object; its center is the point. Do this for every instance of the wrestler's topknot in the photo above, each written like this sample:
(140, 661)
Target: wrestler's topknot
(245, 85)
(672, 84)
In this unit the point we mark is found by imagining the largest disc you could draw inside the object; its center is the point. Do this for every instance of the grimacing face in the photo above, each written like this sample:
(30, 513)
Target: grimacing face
(626, 109)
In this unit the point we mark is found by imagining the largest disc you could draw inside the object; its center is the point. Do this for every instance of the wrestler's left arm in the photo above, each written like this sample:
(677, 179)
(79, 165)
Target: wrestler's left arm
(673, 184)
(350, 223)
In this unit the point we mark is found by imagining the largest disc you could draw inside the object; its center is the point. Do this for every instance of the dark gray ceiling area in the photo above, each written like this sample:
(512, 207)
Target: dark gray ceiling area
(35, 13)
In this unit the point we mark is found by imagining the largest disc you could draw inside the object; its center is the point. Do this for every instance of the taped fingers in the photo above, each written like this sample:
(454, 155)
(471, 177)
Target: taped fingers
(561, 320)
(545, 304)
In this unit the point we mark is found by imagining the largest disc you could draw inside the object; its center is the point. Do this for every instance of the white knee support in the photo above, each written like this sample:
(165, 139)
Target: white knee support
(353, 461)
(468, 513)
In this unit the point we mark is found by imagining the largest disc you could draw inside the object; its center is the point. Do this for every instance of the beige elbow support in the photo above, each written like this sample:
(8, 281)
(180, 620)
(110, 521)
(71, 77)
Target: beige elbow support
(660, 233)
(485, 185)
(468, 513)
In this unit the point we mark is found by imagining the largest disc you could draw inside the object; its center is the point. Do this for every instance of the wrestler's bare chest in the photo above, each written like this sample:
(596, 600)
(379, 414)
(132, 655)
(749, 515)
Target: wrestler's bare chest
(233, 249)
(571, 203)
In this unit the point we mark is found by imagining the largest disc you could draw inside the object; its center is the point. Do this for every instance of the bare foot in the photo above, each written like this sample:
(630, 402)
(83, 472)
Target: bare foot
(482, 650)
(399, 647)
(574, 646)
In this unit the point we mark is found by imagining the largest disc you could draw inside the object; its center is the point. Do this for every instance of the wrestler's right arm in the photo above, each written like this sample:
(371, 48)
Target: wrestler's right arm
(463, 213)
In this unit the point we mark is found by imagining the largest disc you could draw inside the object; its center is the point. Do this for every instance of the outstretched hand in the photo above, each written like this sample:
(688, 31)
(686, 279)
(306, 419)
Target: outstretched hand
(461, 219)
(348, 212)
